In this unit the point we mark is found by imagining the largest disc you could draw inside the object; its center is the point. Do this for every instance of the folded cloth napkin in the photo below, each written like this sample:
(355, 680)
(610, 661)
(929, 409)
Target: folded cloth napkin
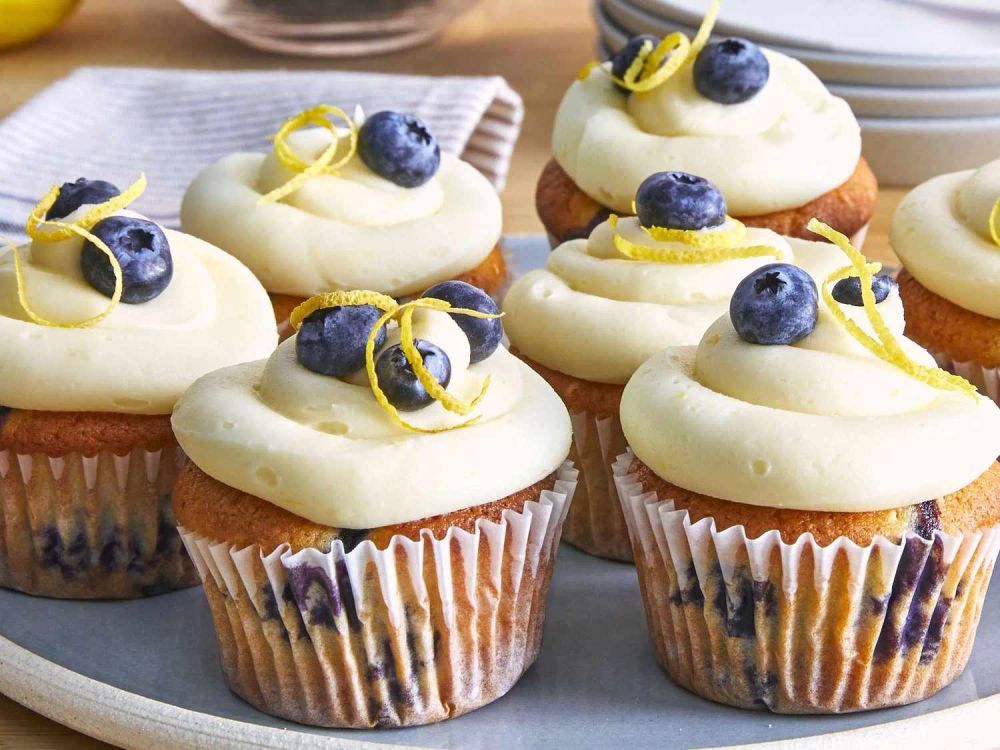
(112, 123)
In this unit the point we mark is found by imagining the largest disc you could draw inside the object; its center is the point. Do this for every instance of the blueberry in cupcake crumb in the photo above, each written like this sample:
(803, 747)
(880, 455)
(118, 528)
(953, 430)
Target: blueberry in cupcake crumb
(484, 334)
(83, 192)
(332, 340)
(678, 200)
(776, 304)
(848, 291)
(624, 57)
(731, 71)
(142, 251)
(399, 148)
(401, 385)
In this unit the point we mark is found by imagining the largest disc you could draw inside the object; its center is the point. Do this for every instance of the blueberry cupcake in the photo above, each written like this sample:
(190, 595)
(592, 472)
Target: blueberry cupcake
(755, 122)
(814, 506)
(947, 234)
(372, 204)
(375, 510)
(605, 304)
(106, 318)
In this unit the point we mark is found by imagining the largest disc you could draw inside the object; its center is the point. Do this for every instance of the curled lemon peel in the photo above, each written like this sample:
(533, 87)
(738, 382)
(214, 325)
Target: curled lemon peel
(702, 247)
(404, 314)
(994, 222)
(654, 66)
(884, 346)
(39, 228)
(22, 292)
(324, 163)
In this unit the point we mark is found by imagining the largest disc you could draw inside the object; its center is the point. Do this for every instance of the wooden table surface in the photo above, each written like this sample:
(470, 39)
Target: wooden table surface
(538, 45)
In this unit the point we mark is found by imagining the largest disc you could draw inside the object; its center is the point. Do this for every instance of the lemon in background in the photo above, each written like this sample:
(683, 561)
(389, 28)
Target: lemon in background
(24, 20)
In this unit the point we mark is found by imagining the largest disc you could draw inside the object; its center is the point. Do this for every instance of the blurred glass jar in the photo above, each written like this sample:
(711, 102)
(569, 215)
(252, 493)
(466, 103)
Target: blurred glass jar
(334, 28)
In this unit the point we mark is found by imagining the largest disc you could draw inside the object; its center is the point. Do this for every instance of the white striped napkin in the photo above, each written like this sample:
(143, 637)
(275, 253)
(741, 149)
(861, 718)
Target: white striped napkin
(112, 123)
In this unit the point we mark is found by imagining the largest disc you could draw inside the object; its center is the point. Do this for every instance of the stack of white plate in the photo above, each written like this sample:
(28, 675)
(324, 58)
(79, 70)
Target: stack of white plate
(923, 76)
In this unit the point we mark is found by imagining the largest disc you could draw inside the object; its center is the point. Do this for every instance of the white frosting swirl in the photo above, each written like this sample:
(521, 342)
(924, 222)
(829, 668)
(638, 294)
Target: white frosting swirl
(781, 149)
(140, 358)
(594, 314)
(323, 449)
(941, 233)
(354, 230)
(822, 425)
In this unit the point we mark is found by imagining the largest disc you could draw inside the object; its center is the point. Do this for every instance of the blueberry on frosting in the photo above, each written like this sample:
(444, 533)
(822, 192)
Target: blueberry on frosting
(678, 200)
(399, 148)
(399, 382)
(848, 291)
(83, 192)
(484, 334)
(142, 252)
(776, 304)
(332, 340)
(731, 71)
(622, 59)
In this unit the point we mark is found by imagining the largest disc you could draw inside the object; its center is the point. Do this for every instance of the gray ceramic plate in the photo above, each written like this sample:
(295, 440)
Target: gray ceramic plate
(145, 674)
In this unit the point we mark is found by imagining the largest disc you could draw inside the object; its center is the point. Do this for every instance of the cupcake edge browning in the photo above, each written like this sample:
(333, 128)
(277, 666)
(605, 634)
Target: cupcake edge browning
(568, 213)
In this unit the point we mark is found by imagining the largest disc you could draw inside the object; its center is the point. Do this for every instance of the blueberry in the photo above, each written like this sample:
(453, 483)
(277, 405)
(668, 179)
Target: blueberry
(399, 148)
(679, 200)
(72, 195)
(731, 71)
(398, 381)
(776, 304)
(484, 334)
(142, 251)
(623, 58)
(848, 291)
(332, 340)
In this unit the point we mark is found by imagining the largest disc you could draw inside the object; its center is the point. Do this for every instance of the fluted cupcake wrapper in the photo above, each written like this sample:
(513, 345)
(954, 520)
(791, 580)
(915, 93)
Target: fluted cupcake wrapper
(986, 379)
(91, 527)
(415, 633)
(595, 523)
(803, 628)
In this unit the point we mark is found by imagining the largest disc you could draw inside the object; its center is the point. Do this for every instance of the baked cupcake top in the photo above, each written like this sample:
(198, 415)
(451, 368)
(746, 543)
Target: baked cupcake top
(755, 122)
(604, 305)
(107, 311)
(947, 233)
(371, 205)
(376, 414)
(814, 401)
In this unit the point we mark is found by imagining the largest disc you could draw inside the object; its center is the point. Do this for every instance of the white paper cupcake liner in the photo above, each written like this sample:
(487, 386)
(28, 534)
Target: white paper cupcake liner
(418, 632)
(595, 523)
(89, 527)
(803, 628)
(986, 379)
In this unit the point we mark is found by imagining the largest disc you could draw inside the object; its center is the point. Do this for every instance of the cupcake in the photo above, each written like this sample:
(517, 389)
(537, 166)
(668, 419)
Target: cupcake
(106, 319)
(947, 233)
(605, 304)
(814, 506)
(755, 122)
(375, 510)
(371, 205)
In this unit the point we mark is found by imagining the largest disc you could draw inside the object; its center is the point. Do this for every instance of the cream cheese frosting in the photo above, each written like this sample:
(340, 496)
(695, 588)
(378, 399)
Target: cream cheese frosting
(322, 448)
(597, 315)
(822, 425)
(352, 230)
(941, 233)
(786, 146)
(140, 358)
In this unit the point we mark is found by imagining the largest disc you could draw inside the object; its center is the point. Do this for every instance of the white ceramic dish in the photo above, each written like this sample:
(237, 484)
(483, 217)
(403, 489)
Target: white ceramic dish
(913, 101)
(866, 27)
(618, 20)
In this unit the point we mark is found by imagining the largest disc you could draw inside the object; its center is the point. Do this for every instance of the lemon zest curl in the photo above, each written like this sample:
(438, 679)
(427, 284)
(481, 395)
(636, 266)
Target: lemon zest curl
(403, 313)
(703, 247)
(994, 222)
(324, 163)
(885, 346)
